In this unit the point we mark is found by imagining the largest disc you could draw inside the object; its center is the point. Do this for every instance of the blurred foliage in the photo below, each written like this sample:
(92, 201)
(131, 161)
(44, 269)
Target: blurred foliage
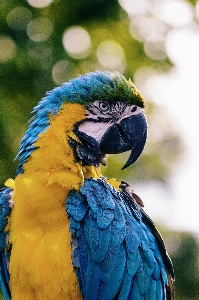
(184, 252)
(42, 47)
(193, 2)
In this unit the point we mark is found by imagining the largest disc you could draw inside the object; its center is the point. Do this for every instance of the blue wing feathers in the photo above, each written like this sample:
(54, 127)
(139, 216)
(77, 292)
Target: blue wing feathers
(5, 210)
(89, 272)
(117, 254)
(133, 262)
(143, 278)
(159, 290)
(4, 265)
(164, 275)
(77, 205)
(126, 287)
(93, 279)
(135, 292)
(109, 289)
(104, 217)
(83, 261)
(156, 271)
(5, 290)
(98, 196)
(118, 223)
(152, 289)
(148, 254)
(109, 262)
(148, 269)
(132, 239)
(99, 240)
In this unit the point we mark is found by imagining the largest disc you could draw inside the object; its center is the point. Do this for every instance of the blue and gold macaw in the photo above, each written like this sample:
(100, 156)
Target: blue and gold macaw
(67, 232)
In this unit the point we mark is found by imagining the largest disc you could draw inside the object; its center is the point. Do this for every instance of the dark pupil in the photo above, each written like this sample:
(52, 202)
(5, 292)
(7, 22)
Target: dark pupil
(134, 109)
(103, 106)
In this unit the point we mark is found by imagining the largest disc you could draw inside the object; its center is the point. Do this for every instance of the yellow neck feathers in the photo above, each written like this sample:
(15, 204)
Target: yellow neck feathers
(54, 157)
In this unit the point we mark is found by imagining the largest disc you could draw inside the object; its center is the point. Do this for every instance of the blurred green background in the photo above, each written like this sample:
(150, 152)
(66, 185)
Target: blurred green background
(44, 43)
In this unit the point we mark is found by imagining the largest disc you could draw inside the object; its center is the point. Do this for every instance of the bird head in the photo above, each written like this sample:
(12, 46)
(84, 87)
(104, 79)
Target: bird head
(114, 123)
(110, 128)
(113, 120)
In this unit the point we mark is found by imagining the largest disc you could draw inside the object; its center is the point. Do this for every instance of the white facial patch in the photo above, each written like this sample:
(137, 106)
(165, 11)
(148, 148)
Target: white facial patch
(94, 129)
(101, 115)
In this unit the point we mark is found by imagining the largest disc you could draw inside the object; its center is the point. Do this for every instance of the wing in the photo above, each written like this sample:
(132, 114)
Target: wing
(114, 252)
(5, 210)
(156, 238)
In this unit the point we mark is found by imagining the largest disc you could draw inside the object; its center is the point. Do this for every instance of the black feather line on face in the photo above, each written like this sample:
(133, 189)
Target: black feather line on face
(87, 152)
(99, 119)
(90, 110)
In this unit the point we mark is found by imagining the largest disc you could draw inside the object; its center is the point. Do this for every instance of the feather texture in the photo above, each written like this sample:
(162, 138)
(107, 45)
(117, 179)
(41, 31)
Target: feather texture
(115, 249)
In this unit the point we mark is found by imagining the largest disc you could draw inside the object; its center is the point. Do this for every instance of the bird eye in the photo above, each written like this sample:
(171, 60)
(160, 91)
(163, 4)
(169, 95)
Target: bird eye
(103, 106)
(134, 109)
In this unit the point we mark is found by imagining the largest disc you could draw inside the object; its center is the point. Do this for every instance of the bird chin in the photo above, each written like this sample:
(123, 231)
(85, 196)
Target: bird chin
(87, 150)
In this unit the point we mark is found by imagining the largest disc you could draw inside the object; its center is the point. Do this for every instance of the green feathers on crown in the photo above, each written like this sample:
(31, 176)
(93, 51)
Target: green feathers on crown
(100, 85)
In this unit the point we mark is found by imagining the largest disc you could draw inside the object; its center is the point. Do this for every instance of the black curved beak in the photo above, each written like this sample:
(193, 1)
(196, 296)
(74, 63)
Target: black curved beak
(129, 134)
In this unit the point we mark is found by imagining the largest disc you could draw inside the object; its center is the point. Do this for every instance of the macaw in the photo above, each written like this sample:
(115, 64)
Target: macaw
(66, 231)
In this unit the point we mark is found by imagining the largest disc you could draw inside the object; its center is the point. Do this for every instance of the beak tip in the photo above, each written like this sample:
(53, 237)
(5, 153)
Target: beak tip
(123, 168)
(136, 150)
(127, 164)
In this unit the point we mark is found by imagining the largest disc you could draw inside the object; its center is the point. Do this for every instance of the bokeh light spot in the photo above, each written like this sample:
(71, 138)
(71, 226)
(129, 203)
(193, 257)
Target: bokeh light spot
(140, 78)
(111, 55)
(148, 28)
(18, 18)
(39, 51)
(63, 70)
(134, 7)
(7, 48)
(39, 3)
(39, 29)
(155, 50)
(77, 42)
(175, 13)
